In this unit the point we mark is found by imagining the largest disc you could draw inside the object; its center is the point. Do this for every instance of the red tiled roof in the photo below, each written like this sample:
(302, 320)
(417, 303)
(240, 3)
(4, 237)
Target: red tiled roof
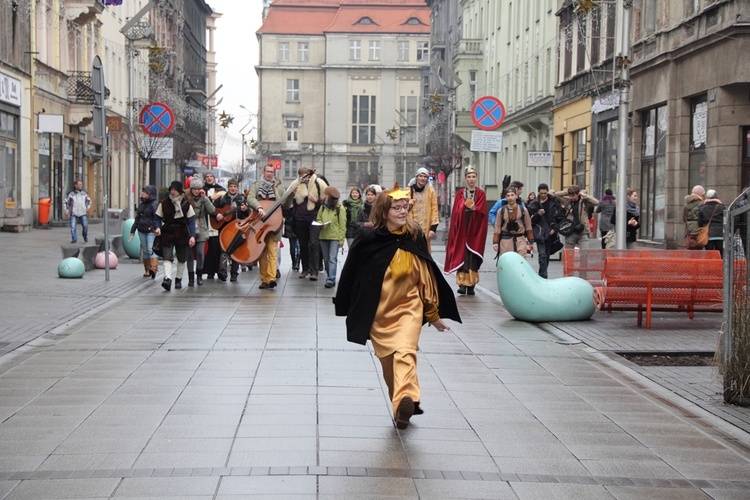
(315, 17)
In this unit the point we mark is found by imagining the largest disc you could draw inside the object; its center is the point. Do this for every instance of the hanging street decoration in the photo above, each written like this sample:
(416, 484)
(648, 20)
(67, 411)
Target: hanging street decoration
(225, 119)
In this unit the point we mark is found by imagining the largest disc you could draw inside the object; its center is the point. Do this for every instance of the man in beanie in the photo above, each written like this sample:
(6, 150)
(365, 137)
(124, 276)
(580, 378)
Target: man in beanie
(424, 205)
(332, 220)
(175, 223)
(261, 196)
(213, 255)
(234, 199)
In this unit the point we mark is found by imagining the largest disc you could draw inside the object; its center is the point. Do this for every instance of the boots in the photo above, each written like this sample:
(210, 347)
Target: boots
(154, 267)
(191, 279)
(146, 268)
(199, 276)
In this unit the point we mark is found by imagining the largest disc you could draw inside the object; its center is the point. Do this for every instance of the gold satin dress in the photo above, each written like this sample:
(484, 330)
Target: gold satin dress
(408, 296)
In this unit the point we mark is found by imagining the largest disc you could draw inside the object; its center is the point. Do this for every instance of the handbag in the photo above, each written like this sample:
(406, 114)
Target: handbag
(556, 245)
(610, 240)
(701, 234)
(566, 227)
(158, 247)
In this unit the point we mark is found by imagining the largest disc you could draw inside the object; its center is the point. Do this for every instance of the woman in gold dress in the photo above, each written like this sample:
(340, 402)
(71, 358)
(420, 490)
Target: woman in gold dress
(388, 289)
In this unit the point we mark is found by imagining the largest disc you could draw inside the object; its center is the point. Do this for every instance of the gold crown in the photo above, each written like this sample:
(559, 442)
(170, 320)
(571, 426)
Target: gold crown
(397, 193)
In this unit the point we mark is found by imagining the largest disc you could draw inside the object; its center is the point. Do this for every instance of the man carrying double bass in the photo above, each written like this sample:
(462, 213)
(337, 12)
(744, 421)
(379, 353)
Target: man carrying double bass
(261, 196)
(234, 199)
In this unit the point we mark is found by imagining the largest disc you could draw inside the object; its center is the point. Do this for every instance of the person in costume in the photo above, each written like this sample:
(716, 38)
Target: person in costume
(214, 192)
(388, 289)
(424, 204)
(464, 252)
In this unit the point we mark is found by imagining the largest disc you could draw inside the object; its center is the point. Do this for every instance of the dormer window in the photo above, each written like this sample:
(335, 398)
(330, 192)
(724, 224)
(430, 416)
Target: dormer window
(413, 21)
(365, 20)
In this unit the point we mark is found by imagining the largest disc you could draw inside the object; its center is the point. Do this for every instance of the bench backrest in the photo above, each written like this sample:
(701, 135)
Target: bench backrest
(588, 264)
(665, 273)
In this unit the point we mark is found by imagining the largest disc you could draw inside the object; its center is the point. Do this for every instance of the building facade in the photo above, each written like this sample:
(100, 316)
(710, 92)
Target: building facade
(340, 87)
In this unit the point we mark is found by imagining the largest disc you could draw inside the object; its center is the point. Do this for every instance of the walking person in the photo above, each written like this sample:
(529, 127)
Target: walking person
(212, 259)
(145, 225)
(633, 212)
(268, 189)
(512, 227)
(545, 214)
(332, 220)
(693, 203)
(308, 197)
(234, 200)
(711, 214)
(175, 223)
(576, 206)
(77, 205)
(606, 207)
(353, 206)
(203, 208)
(467, 236)
(289, 234)
(363, 218)
(389, 288)
(424, 205)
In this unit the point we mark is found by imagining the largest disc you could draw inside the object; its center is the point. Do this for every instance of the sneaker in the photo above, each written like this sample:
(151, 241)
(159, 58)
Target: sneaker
(314, 277)
(330, 285)
(303, 275)
(222, 275)
(74, 241)
(233, 279)
(404, 412)
(264, 285)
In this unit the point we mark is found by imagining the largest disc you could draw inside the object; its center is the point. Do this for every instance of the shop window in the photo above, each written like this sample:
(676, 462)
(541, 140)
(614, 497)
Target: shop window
(698, 127)
(653, 173)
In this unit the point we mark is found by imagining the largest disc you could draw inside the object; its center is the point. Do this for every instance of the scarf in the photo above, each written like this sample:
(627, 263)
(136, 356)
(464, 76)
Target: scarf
(233, 199)
(633, 209)
(418, 189)
(402, 263)
(266, 190)
(355, 206)
(177, 202)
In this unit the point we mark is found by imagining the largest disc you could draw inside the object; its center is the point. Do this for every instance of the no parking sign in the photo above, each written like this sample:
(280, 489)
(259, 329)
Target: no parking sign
(156, 119)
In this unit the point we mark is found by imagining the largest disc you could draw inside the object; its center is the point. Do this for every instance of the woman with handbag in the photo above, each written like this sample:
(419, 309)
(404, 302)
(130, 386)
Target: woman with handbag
(711, 215)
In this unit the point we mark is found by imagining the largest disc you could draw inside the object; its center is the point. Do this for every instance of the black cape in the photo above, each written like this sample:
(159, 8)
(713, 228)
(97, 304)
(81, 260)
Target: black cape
(361, 281)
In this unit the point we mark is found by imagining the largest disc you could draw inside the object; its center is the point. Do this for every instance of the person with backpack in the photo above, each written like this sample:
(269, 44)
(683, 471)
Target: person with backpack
(512, 227)
(545, 214)
(332, 221)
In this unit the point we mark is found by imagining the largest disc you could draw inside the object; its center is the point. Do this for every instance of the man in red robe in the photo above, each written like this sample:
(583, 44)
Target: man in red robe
(464, 252)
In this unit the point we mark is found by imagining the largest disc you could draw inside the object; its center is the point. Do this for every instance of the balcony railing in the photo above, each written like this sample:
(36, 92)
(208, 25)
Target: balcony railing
(469, 46)
(81, 88)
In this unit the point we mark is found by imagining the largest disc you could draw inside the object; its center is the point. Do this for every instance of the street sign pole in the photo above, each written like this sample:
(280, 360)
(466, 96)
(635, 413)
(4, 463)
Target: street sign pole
(622, 147)
(100, 130)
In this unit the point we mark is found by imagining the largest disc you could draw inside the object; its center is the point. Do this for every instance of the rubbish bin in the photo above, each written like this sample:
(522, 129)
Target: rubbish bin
(44, 206)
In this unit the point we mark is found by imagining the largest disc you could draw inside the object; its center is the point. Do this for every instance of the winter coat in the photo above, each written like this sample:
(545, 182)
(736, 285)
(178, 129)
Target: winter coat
(553, 214)
(363, 216)
(585, 203)
(336, 227)
(279, 191)
(146, 212)
(353, 208)
(175, 231)
(203, 208)
(78, 203)
(690, 212)
(716, 223)
(607, 206)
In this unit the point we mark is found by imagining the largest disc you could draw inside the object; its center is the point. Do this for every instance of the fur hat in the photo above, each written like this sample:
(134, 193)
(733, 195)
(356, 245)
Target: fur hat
(232, 182)
(196, 183)
(332, 192)
(177, 186)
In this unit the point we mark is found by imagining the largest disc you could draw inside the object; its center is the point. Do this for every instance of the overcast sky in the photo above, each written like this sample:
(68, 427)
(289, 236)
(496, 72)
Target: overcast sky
(236, 56)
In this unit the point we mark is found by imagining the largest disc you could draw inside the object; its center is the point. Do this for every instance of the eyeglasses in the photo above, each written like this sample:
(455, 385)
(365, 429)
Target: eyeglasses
(400, 208)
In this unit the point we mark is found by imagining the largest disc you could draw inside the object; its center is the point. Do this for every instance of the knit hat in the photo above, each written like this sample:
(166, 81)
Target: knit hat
(699, 190)
(378, 189)
(232, 182)
(177, 186)
(332, 192)
(210, 172)
(196, 183)
(422, 170)
(711, 194)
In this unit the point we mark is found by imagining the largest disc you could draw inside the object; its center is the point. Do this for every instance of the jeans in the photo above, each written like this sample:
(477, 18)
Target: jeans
(147, 244)
(84, 224)
(544, 248)
(330, 252)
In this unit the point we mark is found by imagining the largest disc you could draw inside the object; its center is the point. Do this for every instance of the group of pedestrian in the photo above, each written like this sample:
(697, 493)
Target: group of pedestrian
(704, 209)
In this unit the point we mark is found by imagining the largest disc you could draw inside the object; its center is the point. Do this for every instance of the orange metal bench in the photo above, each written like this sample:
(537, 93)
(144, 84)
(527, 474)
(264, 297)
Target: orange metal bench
(588, 264)
(659, 284)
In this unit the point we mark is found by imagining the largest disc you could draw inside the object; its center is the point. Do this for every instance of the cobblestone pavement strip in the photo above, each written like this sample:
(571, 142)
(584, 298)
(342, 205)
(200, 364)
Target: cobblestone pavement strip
(226, 390)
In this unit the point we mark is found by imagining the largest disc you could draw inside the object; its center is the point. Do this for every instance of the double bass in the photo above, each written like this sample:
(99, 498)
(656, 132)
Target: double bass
(244, 240)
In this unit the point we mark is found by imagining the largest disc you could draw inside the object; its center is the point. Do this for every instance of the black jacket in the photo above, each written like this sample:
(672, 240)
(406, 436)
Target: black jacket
(358, 292)
(553, 213)
(716, 223)
(146, 212)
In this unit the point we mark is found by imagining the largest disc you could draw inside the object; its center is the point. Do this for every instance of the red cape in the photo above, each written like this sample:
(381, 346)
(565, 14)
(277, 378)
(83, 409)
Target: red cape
(461, 236)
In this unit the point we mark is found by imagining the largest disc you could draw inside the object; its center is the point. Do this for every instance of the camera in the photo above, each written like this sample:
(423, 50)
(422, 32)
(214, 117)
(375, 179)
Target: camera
(512, 226)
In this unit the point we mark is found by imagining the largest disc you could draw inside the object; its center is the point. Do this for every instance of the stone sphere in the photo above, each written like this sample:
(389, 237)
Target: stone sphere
(132, 248)
(72, 267)
(99, 261)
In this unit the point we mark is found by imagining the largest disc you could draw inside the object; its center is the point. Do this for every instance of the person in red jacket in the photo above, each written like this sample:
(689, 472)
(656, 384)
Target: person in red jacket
(464, 252)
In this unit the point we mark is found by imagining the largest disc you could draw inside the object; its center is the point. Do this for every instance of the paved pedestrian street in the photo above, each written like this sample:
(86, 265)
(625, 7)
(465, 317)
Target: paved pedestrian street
(122, 390)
